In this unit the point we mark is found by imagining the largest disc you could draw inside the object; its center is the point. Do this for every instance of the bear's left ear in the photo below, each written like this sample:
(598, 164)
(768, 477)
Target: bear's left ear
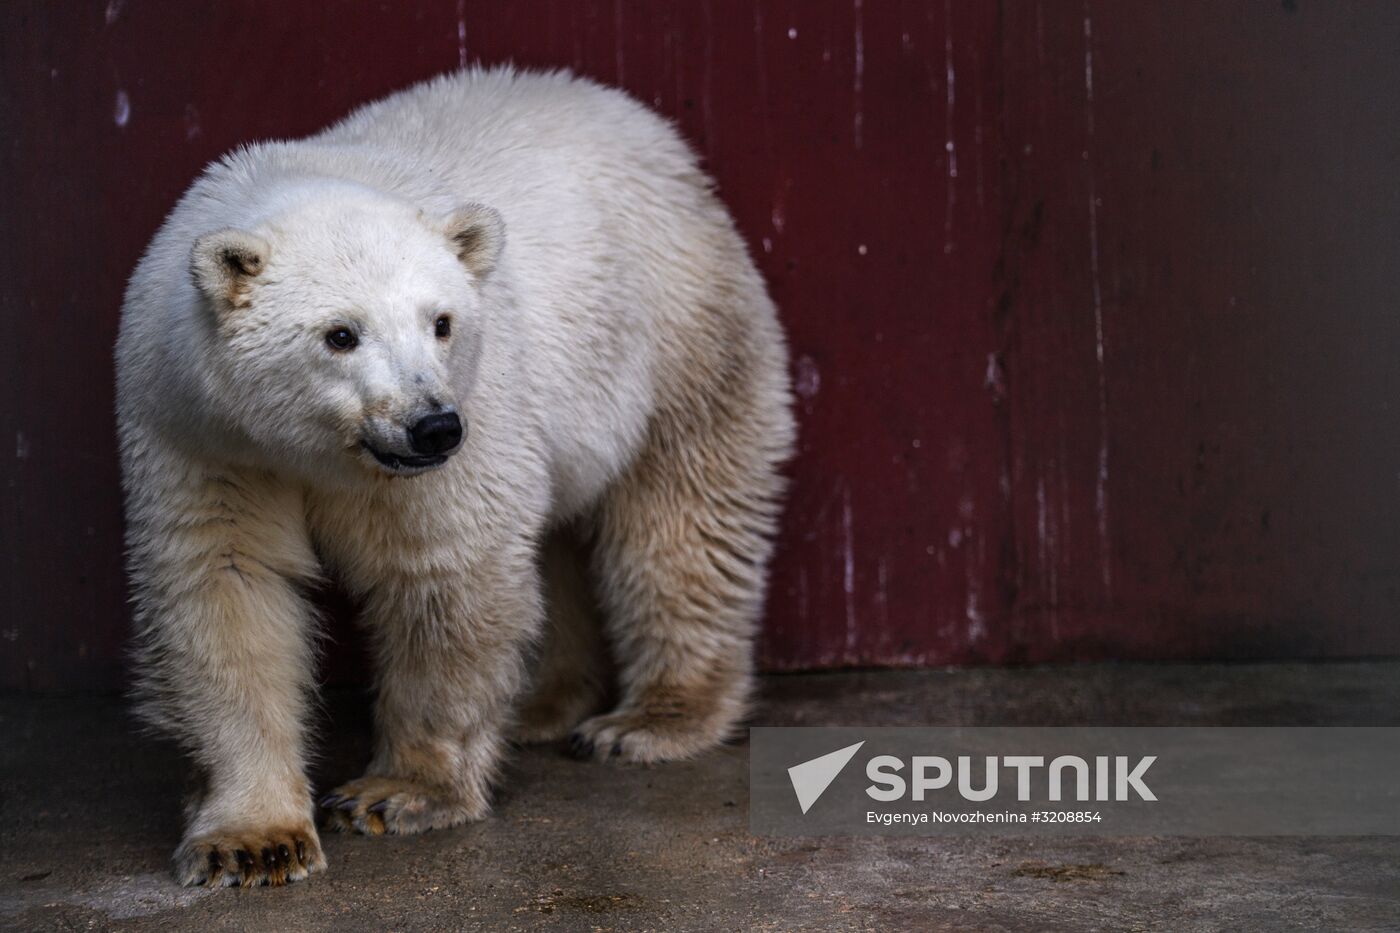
(224, 264)
(476, 233)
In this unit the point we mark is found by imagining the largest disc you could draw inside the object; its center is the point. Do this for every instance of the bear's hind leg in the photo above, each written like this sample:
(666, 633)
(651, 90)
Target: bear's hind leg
(681, 556)
(570, 665)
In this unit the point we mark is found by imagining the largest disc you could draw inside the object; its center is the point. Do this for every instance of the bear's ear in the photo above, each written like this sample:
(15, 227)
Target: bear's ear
(476, 233)
(225, 262)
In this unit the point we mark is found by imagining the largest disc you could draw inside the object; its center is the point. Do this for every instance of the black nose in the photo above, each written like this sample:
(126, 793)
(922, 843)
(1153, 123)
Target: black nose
(436, 434)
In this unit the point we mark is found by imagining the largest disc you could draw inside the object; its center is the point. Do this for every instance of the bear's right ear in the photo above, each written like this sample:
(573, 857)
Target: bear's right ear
(225, 262)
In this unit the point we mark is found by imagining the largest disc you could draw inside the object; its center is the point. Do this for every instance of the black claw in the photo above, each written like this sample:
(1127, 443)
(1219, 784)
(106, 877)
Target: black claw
(243, 859)
(579, 746)
(616, 750)
(269, 857)
(284, 854)
(331, 800)
(301, 852)
(215, 862)
(379, 807)
(348, 804)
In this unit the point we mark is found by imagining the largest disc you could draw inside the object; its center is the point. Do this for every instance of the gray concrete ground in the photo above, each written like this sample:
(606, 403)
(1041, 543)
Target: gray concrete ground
(91, 813)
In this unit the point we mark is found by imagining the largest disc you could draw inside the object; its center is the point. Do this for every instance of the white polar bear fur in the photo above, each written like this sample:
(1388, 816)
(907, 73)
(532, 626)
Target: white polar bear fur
(623, 384)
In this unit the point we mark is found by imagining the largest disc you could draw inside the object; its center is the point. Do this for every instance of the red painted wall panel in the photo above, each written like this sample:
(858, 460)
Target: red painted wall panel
(1091, 304)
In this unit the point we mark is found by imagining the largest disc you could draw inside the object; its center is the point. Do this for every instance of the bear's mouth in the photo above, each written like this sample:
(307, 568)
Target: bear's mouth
(402, 464)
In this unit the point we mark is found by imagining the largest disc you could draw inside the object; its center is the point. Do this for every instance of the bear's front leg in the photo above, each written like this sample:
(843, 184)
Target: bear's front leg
(448, 643)
(225, 662)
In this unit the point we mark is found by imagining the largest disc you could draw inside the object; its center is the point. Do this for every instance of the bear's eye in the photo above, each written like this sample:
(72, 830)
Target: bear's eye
(442, 327)
(341, 338)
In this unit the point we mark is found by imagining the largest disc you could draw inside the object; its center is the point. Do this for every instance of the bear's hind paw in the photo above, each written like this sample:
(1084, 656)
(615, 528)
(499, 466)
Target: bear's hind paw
(642, 736)
(551, 718)
(373, 806)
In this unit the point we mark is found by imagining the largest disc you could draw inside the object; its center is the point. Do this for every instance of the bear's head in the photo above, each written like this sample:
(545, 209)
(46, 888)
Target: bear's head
(344, 331)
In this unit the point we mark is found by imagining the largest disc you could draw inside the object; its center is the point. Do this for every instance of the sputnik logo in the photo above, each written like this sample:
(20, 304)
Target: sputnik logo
(811, 778)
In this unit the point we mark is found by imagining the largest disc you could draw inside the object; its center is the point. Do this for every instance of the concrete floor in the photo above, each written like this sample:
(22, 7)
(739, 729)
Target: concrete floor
(91, 814)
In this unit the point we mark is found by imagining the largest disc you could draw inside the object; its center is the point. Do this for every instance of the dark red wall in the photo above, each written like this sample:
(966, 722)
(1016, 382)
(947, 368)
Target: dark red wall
(1094, 318)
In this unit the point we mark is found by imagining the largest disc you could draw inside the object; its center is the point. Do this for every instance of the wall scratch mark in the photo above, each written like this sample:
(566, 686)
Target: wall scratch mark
(976, 621)
(1101, 477)
(859, 120)
(121, 111)
(1048, 554)
(707, 90)
(950, 82)
(761, 67)
(618, 40)
(882, 594)
(461, 33)
(849, 569)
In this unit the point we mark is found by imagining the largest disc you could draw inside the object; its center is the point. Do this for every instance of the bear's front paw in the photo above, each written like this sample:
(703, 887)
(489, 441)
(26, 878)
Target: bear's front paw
(244, 857)
(374, 806)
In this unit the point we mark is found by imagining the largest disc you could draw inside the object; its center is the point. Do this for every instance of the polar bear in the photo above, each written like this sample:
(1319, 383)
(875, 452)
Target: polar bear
(491, 353)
